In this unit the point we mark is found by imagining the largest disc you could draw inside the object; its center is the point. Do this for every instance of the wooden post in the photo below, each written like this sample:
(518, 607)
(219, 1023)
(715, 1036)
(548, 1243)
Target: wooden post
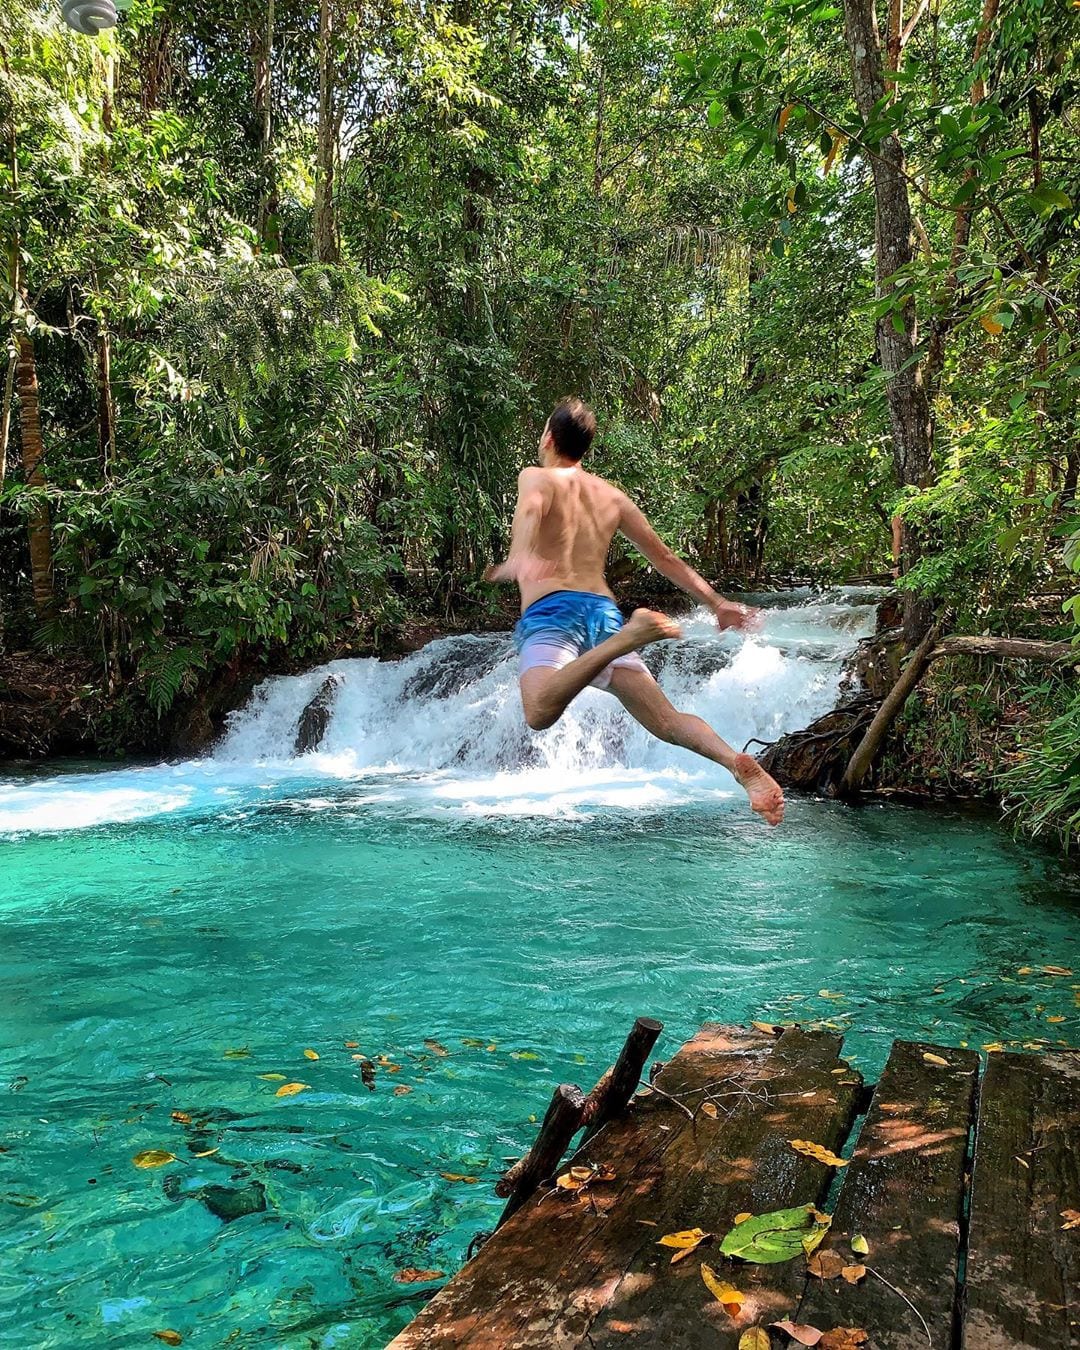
(570, 1109)
(560, 1124)
(611, 1096)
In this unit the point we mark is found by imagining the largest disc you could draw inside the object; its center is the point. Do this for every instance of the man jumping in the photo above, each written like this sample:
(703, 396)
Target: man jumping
(571, 633)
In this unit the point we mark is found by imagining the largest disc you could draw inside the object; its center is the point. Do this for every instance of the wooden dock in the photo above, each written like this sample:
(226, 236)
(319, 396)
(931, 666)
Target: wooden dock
(956, 1218)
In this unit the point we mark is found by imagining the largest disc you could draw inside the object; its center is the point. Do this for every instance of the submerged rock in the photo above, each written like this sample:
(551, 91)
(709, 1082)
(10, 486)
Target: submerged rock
(314, 720)
(234, 1202)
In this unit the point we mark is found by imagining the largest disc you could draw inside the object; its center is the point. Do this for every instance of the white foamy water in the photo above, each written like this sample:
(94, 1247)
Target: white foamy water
(442, 731)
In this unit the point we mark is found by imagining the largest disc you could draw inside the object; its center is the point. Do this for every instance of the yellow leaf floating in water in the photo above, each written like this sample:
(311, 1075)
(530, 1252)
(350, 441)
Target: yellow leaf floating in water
(993, 1047)
(240, 1052)
(436, 1047)
(153, 1157)
(1056, 1018)
(755, 1338)
(819, 1152)
(181, 1117)
(1056, 970)
(169, 1336)
(206, 1153)
(723, 1292)
(291, 1089)
(272, 1077)
(410, 1275)
(458, 1176)
(311, 1054)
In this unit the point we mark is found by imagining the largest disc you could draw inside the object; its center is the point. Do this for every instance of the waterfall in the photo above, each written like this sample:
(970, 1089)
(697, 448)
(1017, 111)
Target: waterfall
(442, 730)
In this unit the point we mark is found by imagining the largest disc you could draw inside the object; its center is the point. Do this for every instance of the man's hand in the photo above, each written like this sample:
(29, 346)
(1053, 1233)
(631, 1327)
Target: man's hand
(730, 614)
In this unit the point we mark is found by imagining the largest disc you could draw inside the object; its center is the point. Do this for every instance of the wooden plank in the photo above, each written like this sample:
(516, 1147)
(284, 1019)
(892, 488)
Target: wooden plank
(904, 1192)
(514, 1267)
(1023, 1270)
(741, 1164)
(567, 1273)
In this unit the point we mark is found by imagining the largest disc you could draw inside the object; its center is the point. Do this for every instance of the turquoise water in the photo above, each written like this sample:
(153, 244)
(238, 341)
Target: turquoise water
(136, 957)
(482, 910)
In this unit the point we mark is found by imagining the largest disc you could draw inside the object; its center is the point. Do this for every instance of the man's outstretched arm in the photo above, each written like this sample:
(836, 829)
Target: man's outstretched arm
(635, 526)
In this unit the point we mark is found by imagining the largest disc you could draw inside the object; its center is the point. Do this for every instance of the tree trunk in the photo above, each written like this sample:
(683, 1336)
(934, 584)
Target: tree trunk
(5, 418)
(33, 452)
(325, 238)
(262, 52)
(909, 407)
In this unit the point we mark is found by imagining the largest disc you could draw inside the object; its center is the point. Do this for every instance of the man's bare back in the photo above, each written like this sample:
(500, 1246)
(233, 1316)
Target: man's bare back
(571, 633)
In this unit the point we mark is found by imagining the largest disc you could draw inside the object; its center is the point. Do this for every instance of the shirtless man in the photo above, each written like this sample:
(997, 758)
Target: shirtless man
(571, 633)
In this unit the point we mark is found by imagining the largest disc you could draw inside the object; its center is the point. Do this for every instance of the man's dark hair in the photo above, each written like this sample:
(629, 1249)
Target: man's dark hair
(572, 425)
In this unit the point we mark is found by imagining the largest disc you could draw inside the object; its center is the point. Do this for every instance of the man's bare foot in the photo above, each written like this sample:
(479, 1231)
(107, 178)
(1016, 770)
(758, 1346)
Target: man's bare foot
(765, 793)
(649, 625)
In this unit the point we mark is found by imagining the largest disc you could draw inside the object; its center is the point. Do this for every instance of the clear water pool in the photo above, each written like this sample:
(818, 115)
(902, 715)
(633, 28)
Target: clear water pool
(165, 963)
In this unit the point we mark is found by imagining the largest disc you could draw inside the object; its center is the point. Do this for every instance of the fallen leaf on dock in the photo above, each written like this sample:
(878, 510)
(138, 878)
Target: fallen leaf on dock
(169, 1337)
(437, 1048)
(859, 1245)
(1072, 1219)
(853, 1274)
(843, 1338)
(311, 1054)
(826, 1265)
(769, 1028)
(819, 1152)
(709, 1109)
(723, 1292)
(457, 1176)
(410, 1275)
(291, 1089)
(941, 1062)
(272, 1077)
(686, 1241)
(799, 1331)
(153, 1157)
(778, 1236)
(755, 1338)
(575, 1180)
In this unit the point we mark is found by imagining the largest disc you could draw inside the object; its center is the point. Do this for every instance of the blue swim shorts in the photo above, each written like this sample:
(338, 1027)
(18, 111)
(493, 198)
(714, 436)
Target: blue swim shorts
(559, 627)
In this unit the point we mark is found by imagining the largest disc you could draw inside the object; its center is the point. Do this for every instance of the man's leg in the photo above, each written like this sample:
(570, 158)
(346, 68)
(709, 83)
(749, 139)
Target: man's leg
(546, 692)
(647, 703)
